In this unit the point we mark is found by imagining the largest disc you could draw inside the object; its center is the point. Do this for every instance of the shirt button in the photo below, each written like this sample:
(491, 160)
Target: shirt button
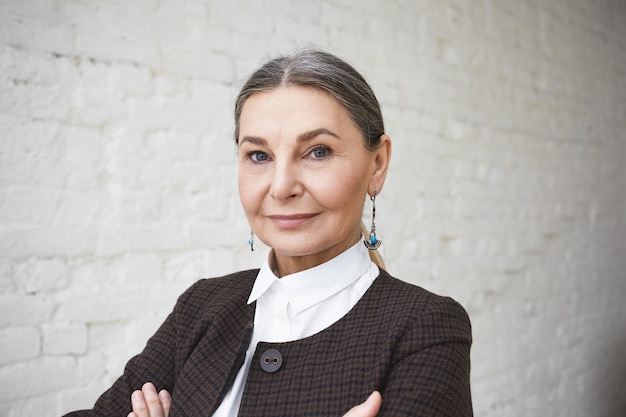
(271, 360)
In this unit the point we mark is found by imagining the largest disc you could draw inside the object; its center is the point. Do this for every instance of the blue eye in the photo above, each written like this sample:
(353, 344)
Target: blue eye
(319, 153)
(258, 156)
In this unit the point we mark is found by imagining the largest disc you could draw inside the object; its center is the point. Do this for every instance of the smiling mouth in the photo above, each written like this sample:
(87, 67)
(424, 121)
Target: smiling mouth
(291, 221)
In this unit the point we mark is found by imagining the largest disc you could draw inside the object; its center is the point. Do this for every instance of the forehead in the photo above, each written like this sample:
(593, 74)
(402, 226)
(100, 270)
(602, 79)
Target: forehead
(292, 108)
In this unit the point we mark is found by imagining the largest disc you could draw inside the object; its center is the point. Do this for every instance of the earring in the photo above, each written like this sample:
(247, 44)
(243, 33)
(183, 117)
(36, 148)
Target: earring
(373, 243)
(251, 241)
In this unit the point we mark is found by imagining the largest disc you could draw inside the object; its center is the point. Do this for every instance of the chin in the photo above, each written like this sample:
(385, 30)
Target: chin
(294, 252)
(297, 249)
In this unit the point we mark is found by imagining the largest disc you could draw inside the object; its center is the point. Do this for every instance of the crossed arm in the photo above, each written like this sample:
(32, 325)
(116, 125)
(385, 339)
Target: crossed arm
(148, 403)
(428, 374)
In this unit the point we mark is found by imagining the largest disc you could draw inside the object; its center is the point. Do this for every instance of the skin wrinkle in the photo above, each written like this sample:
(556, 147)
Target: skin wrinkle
(280, 124)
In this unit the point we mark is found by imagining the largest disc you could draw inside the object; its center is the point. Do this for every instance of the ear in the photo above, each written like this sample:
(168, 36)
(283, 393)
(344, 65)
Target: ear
(381, 158)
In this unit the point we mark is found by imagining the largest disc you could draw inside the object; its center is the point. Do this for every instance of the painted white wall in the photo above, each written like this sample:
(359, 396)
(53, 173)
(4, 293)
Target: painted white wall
(507, 189)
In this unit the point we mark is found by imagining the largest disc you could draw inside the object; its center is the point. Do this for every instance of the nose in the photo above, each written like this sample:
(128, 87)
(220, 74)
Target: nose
(286, 182)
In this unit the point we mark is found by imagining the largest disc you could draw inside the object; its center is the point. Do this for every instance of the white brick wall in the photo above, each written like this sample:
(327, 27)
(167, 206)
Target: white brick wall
(507, 191)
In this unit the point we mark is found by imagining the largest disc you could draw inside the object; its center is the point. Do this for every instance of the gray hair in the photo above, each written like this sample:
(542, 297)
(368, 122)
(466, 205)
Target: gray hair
(318, 69)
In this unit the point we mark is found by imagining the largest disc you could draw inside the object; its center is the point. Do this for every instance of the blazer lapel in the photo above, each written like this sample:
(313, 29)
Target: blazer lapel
(212, 366)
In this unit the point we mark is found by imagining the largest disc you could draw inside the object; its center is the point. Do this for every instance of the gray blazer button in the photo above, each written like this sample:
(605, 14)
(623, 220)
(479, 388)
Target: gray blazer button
(271, 360)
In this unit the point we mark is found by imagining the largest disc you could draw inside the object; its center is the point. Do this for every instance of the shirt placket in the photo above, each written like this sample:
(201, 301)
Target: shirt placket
(281, 328)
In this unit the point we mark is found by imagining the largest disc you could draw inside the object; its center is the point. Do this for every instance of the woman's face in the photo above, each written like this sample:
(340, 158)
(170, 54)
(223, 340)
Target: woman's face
(303, 174)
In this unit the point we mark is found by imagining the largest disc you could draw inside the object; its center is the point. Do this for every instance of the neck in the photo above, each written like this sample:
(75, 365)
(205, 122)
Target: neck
(286, 265)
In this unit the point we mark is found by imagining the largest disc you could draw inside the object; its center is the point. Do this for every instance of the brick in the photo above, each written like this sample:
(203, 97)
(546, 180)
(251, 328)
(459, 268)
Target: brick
(7, 283)
(109, 305)
(33, 378)
(21, 159)
(28, 205)
(212, 67)
(18, 344)
(64, 339)
(82, 208)
(37, 405)
(37, 275)
(127, 37)
(46, 241)
(37, 31)
(25, 310)
(186, 268)
(127, 236)
(141, 269)
(80, 398)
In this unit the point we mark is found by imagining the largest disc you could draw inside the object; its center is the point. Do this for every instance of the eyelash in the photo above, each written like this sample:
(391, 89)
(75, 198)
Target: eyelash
(251, 155)
(320, 148)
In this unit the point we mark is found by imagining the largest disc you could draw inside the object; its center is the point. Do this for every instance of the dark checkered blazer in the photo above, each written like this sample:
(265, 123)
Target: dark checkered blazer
(411, 345)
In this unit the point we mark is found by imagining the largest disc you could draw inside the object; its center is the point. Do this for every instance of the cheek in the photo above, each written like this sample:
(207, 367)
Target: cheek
(344, 197)
(247, 196)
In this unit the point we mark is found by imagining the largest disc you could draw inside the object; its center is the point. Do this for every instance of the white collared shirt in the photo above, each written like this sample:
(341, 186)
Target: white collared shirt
(299, 305)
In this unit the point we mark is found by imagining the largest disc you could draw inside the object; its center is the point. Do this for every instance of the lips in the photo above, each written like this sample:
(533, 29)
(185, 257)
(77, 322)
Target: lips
(291, 221)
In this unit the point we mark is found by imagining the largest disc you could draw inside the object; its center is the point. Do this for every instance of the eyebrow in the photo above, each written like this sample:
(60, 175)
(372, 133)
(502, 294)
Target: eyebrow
(301, 138)
(314, 133)
(254, 140)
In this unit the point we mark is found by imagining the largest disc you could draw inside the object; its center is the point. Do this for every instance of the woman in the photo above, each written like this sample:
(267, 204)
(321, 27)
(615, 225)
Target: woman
(320, 327)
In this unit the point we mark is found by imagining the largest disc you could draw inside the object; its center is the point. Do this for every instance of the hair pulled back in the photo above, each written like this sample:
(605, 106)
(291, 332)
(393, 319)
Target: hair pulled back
(318, 69)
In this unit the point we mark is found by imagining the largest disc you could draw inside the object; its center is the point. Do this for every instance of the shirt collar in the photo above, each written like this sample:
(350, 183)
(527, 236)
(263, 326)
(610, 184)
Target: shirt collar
(307, 288)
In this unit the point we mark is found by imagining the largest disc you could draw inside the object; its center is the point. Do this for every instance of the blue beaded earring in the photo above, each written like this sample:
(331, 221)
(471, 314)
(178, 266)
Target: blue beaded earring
(251, 241)
(373, 243)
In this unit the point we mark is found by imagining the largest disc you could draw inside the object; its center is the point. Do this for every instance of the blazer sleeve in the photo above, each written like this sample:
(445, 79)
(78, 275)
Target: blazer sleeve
(156, 364)
(430, 375)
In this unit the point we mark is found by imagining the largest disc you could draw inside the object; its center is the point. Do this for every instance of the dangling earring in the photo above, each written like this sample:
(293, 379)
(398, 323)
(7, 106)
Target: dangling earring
(373, 243)
(251, 241)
